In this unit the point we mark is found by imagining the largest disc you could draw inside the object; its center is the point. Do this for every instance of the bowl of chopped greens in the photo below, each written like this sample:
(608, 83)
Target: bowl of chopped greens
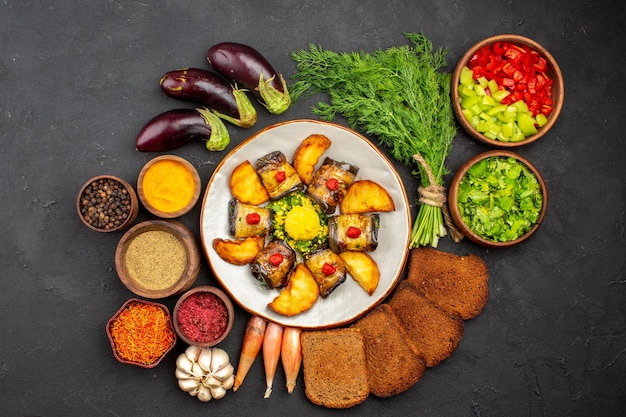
(498, 199)
(507, 91)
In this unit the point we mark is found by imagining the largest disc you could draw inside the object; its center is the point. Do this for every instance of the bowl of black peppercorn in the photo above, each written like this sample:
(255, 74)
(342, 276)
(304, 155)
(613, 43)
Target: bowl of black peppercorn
(107, 203)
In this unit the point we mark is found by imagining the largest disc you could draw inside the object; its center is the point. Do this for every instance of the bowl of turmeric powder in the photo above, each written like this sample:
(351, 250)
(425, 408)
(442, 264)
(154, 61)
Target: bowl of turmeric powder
(158, 258)
(168, 186)
(141, 333)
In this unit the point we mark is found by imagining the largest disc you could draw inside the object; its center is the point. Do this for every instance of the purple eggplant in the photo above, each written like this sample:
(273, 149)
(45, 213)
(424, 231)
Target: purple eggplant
(210, 90)
(246, 66)
(175, 128)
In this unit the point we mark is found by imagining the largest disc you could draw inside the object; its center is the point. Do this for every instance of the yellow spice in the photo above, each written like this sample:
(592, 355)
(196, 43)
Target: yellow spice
(302, 223)
(168, 186)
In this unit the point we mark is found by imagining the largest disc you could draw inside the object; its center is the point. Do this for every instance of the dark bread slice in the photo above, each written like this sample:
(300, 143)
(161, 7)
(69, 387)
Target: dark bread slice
(454, 282)
(335, 367)
(435, 332)
(393, 363)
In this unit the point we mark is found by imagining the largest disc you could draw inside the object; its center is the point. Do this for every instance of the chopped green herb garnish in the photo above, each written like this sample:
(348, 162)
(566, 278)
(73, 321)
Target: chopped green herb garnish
(500, 198)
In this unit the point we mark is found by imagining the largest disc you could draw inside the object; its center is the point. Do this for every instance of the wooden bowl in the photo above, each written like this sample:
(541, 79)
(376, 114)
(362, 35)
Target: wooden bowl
(554, 72)
(455, 213)
(168, 329)
(107, 204)
(212, 306)
(168, 190)
(158, 259)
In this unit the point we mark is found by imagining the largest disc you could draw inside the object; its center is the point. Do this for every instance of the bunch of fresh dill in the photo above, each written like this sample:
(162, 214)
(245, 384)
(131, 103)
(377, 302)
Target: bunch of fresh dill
(400, 96)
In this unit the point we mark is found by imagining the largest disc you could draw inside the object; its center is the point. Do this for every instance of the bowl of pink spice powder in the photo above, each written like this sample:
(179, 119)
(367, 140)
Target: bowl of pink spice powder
(203, 316)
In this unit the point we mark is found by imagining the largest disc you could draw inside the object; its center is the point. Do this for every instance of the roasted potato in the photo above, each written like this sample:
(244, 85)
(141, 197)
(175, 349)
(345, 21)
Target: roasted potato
(366, 196)
(308, 154)
(299, 295)
(246, 186)
(362, 268)
(239, 251)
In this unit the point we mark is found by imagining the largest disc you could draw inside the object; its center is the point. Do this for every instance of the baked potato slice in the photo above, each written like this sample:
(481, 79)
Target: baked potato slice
(239, 251)
(362, 268)
(366, 196)
(246, 186)
(308, 154)
(299, 295)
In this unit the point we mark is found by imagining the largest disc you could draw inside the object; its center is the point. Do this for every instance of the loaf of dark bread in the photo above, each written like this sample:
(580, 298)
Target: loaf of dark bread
(435, 332)
(335, 367)
(393, 363)
(454, 282)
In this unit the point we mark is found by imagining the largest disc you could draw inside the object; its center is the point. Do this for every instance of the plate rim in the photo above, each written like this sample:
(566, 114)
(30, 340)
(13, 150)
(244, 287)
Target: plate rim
(404, 259)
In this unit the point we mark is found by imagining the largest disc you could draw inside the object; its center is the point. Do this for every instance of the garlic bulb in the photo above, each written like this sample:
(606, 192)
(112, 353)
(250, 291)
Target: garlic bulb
(205, 373)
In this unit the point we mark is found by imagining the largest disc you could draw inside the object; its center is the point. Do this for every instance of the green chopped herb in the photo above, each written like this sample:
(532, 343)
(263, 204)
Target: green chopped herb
(400, 96)
(500, 198)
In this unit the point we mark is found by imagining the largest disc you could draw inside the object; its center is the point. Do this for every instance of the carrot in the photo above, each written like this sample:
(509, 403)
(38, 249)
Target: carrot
(252, 342)
(291, 354)
(271, 353)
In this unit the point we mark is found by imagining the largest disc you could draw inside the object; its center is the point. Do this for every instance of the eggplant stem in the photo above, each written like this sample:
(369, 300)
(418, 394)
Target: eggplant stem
(275, 101)
(219, 138)
(247, 112)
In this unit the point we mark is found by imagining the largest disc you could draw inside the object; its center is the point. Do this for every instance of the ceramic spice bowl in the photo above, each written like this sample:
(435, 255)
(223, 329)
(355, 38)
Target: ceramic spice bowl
(141, 333)
(497, 199)
(107, 203)
(527, 95)
(203, 316)
(158, 259)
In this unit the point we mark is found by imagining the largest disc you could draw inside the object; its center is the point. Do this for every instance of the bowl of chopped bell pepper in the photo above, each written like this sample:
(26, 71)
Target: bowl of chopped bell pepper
(497, 199)
(507, 91)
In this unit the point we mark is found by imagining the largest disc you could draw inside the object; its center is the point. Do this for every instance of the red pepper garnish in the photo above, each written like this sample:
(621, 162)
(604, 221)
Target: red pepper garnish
(253, 218)
(332, 184)
(276, 259)
(280, 176)
(518, 69)
(328, 269)
(353, 232)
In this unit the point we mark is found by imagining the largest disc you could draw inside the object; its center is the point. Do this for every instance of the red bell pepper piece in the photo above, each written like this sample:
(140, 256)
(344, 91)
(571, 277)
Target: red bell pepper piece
(518, 69)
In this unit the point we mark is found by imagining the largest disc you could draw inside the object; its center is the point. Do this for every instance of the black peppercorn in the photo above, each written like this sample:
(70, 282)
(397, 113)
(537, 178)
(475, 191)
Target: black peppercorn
(105, 204)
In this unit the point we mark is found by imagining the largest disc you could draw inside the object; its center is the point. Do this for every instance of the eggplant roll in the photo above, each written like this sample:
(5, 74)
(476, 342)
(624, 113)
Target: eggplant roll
(273, 263)
(357, 232)
(278, 175)
(328, 270)
(246, 220)
(330, 182)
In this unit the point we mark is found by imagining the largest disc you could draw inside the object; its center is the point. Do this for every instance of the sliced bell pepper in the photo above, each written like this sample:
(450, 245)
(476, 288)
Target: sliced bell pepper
(518, 69)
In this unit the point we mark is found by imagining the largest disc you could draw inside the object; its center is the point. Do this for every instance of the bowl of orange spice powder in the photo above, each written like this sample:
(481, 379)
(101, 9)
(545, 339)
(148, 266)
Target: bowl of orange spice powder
(168, 186)
(141, 333)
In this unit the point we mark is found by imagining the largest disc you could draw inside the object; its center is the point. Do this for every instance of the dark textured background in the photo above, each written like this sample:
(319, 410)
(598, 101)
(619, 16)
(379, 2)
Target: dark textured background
(79, 79)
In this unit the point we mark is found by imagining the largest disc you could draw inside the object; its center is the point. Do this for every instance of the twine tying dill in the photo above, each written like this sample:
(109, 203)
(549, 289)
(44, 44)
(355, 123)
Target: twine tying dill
(435, 195)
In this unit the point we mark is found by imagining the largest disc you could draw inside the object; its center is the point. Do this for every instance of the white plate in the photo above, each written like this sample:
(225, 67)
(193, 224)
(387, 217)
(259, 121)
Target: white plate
(348, 301)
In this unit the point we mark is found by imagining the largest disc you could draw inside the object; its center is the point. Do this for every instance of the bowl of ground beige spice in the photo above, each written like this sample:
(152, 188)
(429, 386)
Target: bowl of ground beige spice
(158, 259)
